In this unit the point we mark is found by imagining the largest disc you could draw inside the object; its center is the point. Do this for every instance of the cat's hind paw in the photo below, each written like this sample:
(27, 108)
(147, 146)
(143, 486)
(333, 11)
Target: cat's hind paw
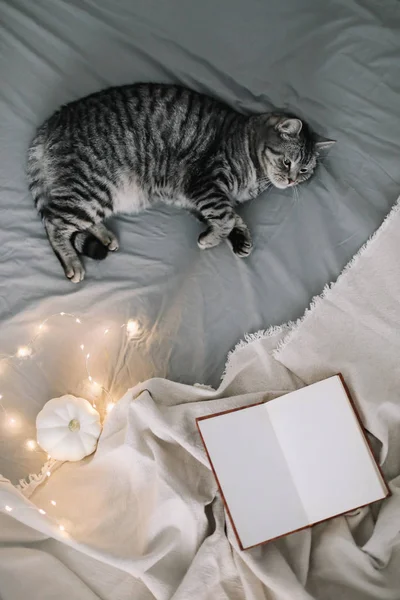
(75, 271)
(113, 245)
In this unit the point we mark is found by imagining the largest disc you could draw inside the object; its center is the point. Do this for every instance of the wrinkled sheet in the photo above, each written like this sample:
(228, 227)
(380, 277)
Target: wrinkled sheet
(335, 64)
(143, 517)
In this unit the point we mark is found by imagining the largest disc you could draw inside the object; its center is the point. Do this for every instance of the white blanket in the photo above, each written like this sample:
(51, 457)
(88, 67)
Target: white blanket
(143, 518)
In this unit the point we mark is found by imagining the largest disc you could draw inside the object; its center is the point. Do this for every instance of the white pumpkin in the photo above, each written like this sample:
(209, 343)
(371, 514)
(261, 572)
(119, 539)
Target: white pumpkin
(68, 428)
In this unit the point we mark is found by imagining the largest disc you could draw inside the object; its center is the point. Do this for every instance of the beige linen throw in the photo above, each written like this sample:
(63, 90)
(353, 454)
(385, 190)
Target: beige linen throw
(142, 518)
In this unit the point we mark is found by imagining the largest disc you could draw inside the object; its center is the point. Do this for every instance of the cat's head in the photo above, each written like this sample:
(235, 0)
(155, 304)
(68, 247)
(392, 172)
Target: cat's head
(290, 151)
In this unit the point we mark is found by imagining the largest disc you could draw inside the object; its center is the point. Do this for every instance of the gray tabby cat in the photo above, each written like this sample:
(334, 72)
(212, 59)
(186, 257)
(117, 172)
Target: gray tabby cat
(125, 148)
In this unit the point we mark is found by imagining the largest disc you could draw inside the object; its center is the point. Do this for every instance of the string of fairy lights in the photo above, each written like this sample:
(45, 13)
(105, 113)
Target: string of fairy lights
(133, 330)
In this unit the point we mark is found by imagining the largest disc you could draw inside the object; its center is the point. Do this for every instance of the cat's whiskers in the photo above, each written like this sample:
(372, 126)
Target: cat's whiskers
(296, 194)
(265, 181)
(268, 190)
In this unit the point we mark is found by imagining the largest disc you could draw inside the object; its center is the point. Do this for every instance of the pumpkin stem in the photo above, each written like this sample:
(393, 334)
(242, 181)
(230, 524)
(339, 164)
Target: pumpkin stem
(74, 425)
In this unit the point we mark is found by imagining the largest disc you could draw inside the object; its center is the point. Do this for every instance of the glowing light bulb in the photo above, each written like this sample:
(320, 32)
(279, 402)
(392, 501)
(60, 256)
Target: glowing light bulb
(61, 527)
(110, 406)
(87, 356)
(82, 347)
(8, 508)
(30, 444)
(41, 326)
(53, 502)
(106, 331)
(77, 320)
(90, 378)
(95, 386)
(62, 313)
(48, 457)
(132, 328)
(42, 512)
(48, 473)
(13, 422)
(24, 351)
(1, 397)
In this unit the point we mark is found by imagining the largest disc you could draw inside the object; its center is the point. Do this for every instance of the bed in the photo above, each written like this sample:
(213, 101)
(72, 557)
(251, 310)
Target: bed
(336, 65)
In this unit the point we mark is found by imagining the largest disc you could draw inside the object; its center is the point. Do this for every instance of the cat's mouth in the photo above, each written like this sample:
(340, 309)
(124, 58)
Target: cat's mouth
(282, 181)
(283, 185)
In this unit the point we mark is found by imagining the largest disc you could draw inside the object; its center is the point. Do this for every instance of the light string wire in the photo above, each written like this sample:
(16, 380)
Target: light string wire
(9, 509)
(133, 330)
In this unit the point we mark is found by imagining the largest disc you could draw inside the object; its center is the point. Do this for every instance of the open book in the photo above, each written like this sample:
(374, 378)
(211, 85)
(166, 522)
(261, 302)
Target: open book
(292, 462)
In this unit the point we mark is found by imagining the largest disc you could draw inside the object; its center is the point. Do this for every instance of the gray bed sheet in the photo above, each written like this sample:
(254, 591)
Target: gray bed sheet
(337, 64)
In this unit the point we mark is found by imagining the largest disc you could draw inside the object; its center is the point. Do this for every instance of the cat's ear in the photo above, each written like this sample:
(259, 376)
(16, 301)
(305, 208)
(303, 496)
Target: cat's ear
(324, 144)
(291, 127)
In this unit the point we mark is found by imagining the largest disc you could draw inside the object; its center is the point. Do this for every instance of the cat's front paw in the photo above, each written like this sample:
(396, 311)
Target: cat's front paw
(241, 242)
(208, 239)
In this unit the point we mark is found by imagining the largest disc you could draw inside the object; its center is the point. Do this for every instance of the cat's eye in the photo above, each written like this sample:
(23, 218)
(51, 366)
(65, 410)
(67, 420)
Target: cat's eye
(303, 170)
(286, 162)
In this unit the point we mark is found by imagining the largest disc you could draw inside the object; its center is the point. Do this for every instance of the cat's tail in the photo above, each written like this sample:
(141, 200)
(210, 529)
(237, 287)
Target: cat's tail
(86, 243)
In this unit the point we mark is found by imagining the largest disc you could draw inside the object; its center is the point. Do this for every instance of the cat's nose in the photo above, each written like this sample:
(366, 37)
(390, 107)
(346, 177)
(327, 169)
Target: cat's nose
(290, 181)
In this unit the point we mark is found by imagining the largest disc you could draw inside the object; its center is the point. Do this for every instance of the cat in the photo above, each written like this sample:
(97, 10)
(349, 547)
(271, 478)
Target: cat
(124, 148)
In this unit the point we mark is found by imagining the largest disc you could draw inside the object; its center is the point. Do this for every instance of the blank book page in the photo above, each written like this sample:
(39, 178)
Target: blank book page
(253, 475)
(325, 450)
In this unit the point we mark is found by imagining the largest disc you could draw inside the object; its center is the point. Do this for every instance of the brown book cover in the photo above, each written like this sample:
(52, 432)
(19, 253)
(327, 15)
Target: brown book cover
(363, 431)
